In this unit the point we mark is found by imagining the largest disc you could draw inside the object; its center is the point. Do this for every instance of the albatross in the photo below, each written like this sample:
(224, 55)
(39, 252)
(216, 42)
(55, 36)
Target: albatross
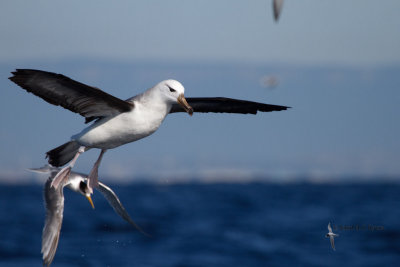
(116, 122)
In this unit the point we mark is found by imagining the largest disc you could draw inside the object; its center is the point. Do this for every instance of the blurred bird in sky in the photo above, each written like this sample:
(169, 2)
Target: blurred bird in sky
(277, 8)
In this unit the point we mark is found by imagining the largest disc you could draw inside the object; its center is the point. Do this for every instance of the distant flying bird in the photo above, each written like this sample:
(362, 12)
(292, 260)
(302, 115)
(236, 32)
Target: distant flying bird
(269, 81)
(277, 8)
(54, 202)
(331, 236)
(117, 122)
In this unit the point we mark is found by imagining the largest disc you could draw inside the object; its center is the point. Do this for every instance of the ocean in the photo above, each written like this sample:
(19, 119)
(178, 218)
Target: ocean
(249, 224)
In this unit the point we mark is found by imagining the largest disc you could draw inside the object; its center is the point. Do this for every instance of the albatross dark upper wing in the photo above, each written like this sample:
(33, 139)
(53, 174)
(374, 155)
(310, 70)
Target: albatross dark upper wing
(77, 97)
(226, 105)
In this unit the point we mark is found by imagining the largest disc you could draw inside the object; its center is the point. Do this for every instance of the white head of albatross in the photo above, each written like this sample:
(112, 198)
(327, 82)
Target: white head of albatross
(174, 92)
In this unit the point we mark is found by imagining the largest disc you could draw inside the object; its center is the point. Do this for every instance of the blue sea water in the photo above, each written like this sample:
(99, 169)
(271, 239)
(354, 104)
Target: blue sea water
(255, 224)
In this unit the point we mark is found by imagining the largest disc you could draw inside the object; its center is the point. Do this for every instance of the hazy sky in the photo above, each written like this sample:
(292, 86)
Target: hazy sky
(309, 31)
(343, 123)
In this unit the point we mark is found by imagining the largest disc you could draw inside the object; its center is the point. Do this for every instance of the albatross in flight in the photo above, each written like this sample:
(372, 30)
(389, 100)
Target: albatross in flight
(116, 121)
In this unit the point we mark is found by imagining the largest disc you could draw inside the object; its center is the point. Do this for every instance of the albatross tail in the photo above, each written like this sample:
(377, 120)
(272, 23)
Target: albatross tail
(63, 154)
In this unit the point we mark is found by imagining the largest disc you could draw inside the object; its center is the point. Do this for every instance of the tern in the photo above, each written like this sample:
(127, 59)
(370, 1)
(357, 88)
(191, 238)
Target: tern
(54, 202)
(117, 122)
(331, 236)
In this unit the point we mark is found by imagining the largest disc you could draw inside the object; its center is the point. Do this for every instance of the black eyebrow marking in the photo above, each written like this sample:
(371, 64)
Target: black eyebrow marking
(171, 89)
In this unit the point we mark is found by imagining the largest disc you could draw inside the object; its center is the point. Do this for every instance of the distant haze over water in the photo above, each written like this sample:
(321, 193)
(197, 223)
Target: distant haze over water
(343, 122)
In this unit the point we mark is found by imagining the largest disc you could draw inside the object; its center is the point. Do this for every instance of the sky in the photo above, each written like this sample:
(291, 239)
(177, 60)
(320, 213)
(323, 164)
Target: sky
(337, 64)
(354, 32)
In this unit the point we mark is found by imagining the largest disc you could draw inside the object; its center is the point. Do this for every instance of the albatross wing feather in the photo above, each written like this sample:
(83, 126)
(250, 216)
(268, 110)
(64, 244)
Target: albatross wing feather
(62, 91)
(226, 105)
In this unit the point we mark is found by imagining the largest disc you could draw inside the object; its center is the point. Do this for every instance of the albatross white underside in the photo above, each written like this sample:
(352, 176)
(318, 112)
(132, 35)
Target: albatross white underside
(110, 132)
(115, 121)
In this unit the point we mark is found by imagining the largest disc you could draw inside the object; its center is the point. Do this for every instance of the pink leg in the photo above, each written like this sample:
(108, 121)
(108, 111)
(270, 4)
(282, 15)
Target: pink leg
(63, 174)
(94, 173)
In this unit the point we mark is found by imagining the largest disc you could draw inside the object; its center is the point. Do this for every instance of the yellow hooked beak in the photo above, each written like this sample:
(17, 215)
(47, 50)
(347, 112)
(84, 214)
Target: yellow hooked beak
(182, 101)
(90, 200)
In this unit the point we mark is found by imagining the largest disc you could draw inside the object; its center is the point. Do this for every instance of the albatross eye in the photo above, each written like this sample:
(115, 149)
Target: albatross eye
(172, 90)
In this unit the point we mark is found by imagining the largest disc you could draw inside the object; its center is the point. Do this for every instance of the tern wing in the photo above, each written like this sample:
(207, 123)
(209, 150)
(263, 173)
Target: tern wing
(59, 90)
(277, 7)
(226, 105)
(332, 242)
(46, 169)
(54, 201)
(116, 204)
(329, 228)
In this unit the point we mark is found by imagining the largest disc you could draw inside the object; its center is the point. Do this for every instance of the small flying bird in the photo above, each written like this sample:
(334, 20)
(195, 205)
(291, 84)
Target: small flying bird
(54, 202)
(277, 8)
(117, 122)
(331, 236)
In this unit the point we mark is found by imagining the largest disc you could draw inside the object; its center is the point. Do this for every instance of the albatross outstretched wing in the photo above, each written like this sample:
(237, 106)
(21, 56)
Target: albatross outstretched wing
(59, 90)
(226, 105)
